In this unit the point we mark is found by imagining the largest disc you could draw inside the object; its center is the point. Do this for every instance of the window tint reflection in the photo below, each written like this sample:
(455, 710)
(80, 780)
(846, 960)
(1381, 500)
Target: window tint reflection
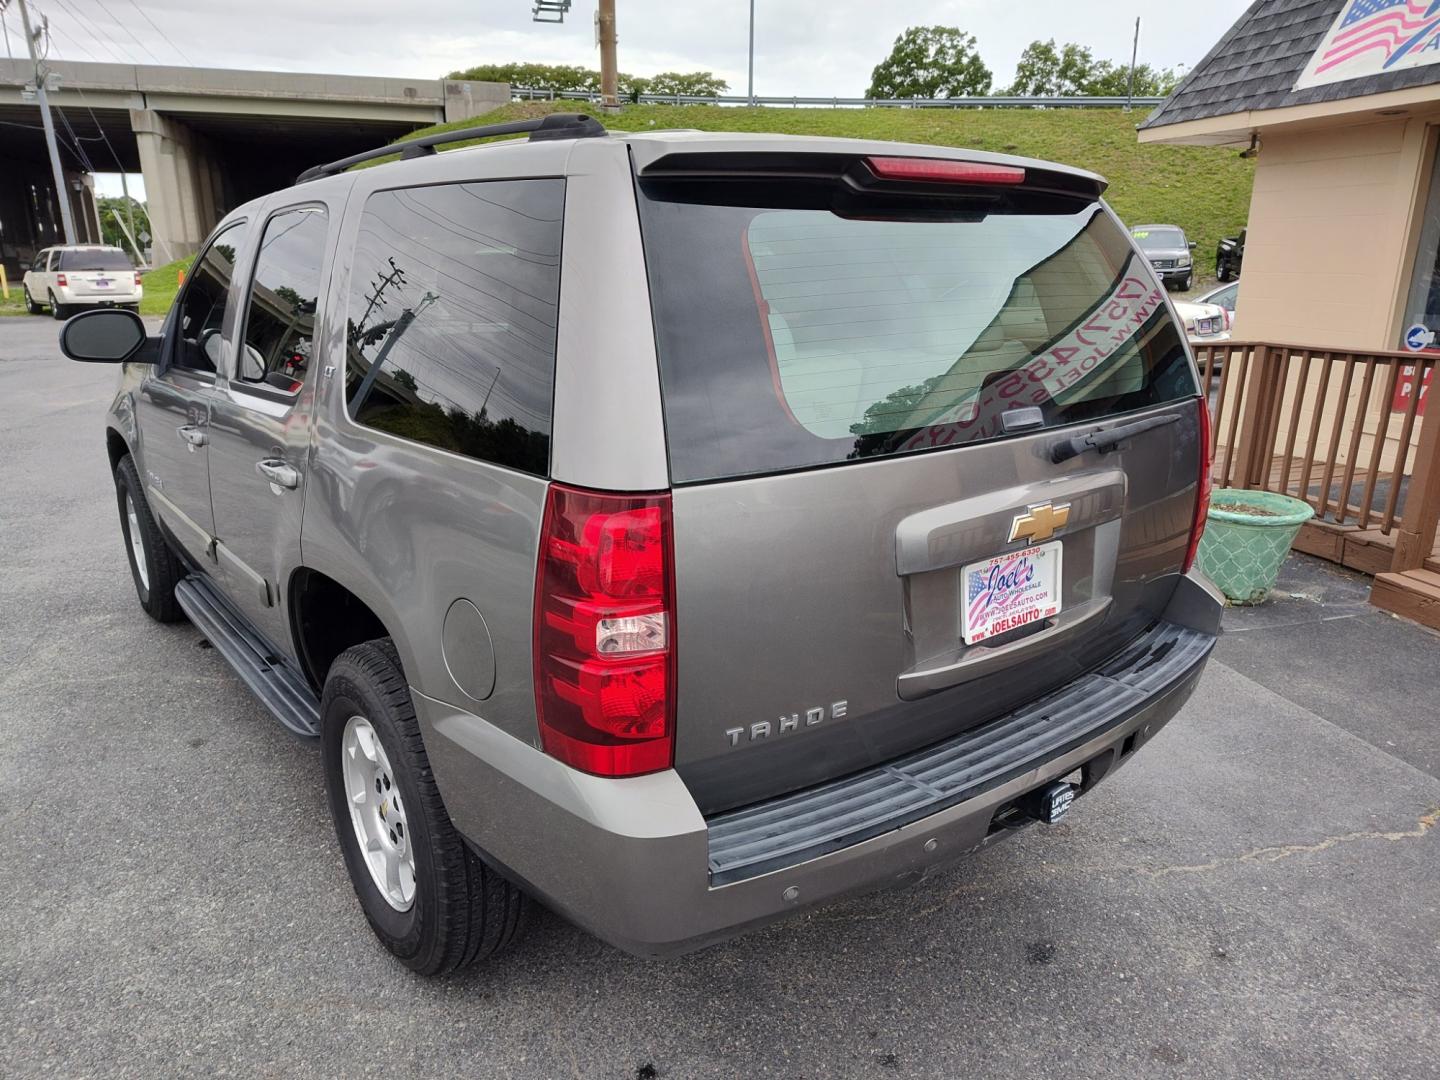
(452, 313)
(280, 324)
(202, 308)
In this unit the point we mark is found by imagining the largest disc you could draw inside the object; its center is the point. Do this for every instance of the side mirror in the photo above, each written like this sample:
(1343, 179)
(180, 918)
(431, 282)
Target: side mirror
(106, 336)
(1191, 245)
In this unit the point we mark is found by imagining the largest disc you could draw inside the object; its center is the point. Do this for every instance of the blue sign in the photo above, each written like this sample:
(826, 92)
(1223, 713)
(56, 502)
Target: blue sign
(1418, 337)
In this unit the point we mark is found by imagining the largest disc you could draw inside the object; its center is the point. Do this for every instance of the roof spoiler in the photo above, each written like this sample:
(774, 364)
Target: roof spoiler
(554, 126)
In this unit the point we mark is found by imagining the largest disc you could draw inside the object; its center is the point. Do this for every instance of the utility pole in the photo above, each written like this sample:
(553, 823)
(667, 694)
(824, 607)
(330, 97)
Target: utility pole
(750, 91)
(605, 33)
(1134, 54)
(62, 193)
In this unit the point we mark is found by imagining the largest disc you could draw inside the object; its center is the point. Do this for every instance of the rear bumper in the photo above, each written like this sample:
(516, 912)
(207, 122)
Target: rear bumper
(635, 862)
(69, 296)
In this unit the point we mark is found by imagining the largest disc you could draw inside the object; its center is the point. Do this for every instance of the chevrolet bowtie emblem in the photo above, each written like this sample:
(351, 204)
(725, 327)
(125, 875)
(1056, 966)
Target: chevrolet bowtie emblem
(1040, 522)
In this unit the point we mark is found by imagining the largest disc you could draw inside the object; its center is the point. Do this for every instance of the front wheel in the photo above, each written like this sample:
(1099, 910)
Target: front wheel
(430, 900)
(153, 566)
(1185, 283)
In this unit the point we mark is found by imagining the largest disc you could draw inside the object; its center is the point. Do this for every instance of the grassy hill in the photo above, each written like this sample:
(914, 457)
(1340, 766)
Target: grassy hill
(1204, 190)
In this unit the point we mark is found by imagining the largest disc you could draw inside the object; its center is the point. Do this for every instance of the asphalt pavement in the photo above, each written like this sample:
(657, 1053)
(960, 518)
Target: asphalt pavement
(1257, 894)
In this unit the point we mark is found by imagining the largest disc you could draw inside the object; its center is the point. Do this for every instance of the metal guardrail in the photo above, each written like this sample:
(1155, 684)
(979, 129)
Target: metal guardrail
(521, 93)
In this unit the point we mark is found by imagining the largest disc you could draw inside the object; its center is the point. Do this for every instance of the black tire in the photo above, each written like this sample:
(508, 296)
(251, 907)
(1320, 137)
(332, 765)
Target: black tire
(30, 305)
(58, 310)
(1185, 283)
(463, 910)
(156, 589)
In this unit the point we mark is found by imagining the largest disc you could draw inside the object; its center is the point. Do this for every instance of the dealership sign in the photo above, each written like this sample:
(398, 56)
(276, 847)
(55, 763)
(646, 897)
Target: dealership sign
(1372, 37)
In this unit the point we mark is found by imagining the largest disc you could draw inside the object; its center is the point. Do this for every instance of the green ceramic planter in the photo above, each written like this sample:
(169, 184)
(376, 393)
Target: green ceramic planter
(1241, 551)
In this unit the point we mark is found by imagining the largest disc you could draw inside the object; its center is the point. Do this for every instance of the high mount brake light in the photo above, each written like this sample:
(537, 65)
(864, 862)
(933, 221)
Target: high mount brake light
(1202, 501)
(942, 171)
(605, 632)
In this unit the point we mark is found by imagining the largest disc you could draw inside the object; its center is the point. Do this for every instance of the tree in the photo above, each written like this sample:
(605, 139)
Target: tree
(1045, 71)
(565, 77)
(696, 83)
(110, 232)
(931, 62)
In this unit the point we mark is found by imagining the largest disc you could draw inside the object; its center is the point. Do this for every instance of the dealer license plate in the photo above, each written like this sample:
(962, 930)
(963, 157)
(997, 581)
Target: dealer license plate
(1010, 591)
(102, 283)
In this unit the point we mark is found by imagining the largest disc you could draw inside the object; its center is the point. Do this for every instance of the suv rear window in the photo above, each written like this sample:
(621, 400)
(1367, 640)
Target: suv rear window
(791, 336)
(95, 259)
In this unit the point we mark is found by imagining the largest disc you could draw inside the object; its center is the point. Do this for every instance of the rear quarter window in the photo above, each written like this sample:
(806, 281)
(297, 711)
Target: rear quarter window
(451, 317)
(791, 336)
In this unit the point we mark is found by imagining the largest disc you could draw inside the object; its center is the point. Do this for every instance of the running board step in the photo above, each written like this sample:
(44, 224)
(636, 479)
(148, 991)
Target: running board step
(269, 678)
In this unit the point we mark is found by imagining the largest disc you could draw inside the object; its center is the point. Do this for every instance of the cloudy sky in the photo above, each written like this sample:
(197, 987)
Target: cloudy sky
(801, 46)
(807, 47)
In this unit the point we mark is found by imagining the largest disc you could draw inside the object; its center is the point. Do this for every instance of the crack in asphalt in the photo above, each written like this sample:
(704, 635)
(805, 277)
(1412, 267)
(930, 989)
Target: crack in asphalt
(1275, 853)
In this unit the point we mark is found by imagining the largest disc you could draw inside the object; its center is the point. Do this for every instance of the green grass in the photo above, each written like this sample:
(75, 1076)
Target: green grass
(160, 285)
(1204, 190)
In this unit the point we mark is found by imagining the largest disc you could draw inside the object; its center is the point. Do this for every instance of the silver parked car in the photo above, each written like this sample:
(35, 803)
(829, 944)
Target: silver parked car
(683, 530)
(1170, 253)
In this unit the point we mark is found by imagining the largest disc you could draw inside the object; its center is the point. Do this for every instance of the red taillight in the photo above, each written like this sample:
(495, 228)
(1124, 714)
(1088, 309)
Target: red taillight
(605, 632)
(941, 171)
(1202, 501)
(137, 277)
(60, 281)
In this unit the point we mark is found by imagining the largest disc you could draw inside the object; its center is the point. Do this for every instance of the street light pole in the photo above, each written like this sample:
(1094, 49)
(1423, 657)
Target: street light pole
(62, 193)
(750, 90)
(1134, 55)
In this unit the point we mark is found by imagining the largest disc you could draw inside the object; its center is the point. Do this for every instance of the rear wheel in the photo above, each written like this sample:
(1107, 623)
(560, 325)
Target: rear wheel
(430, 900)
(30, 305)
(153, 565)
(58, 310)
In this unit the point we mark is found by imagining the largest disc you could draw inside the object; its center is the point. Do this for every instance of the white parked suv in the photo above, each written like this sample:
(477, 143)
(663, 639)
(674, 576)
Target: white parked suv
(71, 277)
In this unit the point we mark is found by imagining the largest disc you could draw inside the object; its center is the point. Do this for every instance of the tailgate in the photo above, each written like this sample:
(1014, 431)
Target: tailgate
(883, 536)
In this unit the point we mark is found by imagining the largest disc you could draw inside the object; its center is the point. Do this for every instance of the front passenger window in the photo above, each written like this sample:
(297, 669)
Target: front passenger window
(202, 306)
(280, 322)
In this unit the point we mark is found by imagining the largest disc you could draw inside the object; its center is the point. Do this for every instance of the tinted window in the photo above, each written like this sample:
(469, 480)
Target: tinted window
(451, 320)
(202, 305)
(95, 259)
(284, 295)
(795, 337)
(40, 260)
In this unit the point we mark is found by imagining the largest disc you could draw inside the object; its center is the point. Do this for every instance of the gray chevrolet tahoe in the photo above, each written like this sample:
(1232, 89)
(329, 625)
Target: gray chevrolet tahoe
(682, 530)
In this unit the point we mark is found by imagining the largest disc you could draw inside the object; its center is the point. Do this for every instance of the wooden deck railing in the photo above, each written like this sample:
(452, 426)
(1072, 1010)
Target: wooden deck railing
(1345, 431)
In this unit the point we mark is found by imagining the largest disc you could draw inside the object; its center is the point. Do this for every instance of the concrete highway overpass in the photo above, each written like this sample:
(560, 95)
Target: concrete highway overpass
(205, 139)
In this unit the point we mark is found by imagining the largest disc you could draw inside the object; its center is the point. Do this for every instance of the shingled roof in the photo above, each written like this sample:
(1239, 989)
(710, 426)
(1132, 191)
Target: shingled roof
(1255, 65)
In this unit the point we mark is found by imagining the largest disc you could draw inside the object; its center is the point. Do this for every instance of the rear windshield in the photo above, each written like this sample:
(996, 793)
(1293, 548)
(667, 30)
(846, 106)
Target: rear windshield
(1159, 239)
(95, 259)
(792, 337)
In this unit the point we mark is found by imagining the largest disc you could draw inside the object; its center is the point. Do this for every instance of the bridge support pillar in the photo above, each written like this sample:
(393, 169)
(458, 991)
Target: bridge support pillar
(183, 189)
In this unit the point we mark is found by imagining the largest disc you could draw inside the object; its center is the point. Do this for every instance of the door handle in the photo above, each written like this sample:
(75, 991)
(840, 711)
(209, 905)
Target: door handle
(279, 472)
(193, 434)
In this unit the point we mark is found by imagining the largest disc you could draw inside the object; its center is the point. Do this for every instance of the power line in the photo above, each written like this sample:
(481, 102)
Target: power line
(145, 15)
(96, 38)
(110, 15)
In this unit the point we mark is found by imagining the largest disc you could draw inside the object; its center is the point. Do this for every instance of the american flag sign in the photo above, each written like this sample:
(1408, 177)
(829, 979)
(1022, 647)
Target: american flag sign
(1371, 37)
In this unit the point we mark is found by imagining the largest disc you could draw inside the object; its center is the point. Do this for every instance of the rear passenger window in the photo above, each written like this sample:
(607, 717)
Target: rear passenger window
(285, 292)
(452, 312)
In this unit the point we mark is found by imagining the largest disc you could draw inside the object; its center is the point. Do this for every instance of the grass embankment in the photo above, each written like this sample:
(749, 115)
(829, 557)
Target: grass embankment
(159, 284)
(1205, 190)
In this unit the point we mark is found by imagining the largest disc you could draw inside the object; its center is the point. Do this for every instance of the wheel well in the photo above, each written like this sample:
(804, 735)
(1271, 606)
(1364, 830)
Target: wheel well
(115, 446)
(328, 619)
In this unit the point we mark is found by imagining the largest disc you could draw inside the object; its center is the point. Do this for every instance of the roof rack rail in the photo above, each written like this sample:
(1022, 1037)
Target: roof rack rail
(554, 126)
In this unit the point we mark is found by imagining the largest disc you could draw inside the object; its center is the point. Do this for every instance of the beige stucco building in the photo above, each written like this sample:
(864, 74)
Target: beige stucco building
(1338, 102)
